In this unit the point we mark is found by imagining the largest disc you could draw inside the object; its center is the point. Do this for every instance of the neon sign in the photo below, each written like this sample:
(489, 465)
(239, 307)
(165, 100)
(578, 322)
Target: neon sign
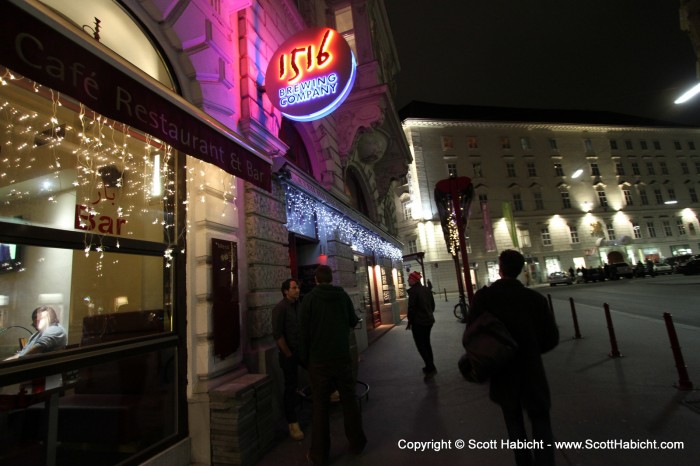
(311, 74)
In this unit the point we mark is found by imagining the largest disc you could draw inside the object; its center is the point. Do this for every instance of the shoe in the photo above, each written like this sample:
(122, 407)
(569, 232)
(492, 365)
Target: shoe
(335, 397)
(295, 432)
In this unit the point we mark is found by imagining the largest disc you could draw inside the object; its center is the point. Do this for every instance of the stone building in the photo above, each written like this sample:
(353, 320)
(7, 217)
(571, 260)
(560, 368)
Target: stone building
(569, 189)
(154, 196)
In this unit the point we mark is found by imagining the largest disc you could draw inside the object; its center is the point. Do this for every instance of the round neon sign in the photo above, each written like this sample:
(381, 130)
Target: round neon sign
(311, 74)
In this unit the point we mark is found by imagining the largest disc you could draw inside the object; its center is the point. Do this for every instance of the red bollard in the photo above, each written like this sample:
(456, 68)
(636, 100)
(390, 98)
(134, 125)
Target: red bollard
(614, 352)
(684, 382)
(577, 334)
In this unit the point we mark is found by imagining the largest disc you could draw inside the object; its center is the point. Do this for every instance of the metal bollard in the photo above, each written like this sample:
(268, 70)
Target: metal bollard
(445, 291)
(614, 352)
(577, 333)
(684, 382)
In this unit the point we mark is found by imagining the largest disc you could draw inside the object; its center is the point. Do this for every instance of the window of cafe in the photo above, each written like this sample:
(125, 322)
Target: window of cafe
(89, 237)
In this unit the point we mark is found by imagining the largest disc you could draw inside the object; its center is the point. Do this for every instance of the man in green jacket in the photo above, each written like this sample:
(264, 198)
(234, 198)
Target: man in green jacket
(327, 317)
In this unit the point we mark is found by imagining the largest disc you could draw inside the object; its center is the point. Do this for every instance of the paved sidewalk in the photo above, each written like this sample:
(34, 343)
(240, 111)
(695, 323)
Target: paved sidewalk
(596, 398)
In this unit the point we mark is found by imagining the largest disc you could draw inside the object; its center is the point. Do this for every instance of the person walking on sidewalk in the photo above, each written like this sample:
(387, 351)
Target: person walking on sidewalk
(522, 383)
(327, 315)
(285, 330)
(421, 306)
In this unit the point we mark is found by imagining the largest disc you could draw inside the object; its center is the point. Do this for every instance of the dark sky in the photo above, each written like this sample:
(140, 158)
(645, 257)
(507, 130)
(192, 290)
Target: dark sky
(626, 56)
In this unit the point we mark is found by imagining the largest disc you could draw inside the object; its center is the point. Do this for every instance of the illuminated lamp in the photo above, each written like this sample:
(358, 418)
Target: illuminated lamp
(310, 74)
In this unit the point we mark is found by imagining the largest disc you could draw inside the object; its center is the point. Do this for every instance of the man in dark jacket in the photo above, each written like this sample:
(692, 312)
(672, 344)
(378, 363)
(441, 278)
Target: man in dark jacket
(522, 383)
(421, 306)
(327, 317)
(285, 330)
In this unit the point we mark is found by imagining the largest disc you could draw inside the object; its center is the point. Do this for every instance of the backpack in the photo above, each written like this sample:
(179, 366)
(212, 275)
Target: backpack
(489, 346)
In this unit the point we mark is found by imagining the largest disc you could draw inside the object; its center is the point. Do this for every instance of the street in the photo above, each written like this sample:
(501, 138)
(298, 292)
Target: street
(646, 297)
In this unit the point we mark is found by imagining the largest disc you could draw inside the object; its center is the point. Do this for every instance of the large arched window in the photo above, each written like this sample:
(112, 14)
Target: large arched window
(297, 153)
(357, 196)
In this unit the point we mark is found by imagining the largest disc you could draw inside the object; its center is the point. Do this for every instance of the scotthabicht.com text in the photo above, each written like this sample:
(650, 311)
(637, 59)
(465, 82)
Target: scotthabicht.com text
(504, 444)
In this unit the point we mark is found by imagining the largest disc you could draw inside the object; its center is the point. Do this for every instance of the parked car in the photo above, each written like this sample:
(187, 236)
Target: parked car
(663, 268)
(559, 278)
(691, 267)
(595, 274)
(621, 269)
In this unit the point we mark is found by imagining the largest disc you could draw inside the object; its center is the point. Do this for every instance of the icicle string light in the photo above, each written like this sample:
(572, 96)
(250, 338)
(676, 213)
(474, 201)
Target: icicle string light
(303, 209)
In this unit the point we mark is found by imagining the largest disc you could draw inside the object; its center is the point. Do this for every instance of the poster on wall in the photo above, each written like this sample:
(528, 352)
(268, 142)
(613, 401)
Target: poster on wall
(225, 306)
(310, 74)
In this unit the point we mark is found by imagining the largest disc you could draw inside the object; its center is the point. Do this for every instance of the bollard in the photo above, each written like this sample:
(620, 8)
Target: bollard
(549, 298)
(445, 291)
(577, 333)
(614, 352)
(684, 382)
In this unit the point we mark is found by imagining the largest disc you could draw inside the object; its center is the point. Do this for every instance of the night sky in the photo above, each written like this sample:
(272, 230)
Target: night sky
(625, 56)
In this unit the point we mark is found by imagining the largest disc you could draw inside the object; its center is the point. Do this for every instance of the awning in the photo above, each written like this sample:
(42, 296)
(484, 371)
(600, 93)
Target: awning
(39, 48)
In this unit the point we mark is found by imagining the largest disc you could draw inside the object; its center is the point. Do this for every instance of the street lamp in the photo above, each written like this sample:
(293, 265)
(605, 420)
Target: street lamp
(687, 95)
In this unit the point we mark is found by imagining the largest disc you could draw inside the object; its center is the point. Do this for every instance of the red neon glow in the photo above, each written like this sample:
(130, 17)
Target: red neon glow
(311, 74)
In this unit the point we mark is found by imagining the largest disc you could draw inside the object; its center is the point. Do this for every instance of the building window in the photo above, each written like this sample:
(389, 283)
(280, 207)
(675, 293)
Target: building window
(636, 230)
(447, 143)
(407, 215)
(531, 169)
(628, 144)
(650, 168)
(671, 194)
(452, 170)
(525, 143)
(588, 146)
(539, 202)
(472, 142)
(517, 202)
(680, 226)
(677, 145)
(691, 228)
(483, 198)
(628, 196)
(635, 168)
(643, 144)
(691, 145)
(510, 169)
(651, 230)
(558, 170)
(595, 171)
(565, 199)
(611, 231)
(693, 194)
(553, 144)
(344, 25)
(667, 228)
(602, 198)
(573, 231)
(505, 142)
(664, 168)
(524, 237)
(546, 238)
(619, 169)
(476, 167)
(684, 168)
(657, 145)
(658, 196)
(643, 196)
(613, 144)
(412, 246)
(697, 168)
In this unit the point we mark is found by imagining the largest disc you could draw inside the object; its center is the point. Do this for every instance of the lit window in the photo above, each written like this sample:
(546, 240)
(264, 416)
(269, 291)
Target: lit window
(505, 142)
(345, 26)
(525, 143)
(472, 142)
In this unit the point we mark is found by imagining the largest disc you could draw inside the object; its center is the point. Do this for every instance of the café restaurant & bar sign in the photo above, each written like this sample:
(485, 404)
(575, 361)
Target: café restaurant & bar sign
(311, 74)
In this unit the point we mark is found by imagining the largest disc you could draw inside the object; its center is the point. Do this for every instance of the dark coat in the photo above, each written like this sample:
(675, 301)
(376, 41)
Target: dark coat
(527, 317)
(421, 305)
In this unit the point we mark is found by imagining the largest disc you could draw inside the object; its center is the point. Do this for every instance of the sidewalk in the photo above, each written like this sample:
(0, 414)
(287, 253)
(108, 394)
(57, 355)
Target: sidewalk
(595, 398)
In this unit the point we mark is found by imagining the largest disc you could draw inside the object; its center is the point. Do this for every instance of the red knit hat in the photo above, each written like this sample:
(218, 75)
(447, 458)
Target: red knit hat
(415, 276)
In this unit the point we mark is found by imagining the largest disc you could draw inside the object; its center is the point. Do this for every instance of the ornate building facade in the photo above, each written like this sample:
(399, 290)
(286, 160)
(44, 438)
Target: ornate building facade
(155, 197)
(569, 189)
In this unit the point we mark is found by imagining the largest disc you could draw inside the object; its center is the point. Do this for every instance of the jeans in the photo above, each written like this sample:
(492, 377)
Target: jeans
(421, 335)
(325, 377)
(290, 370)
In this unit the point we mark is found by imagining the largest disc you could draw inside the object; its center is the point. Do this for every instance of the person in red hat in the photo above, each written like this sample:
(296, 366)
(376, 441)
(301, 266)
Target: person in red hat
(421, 306)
